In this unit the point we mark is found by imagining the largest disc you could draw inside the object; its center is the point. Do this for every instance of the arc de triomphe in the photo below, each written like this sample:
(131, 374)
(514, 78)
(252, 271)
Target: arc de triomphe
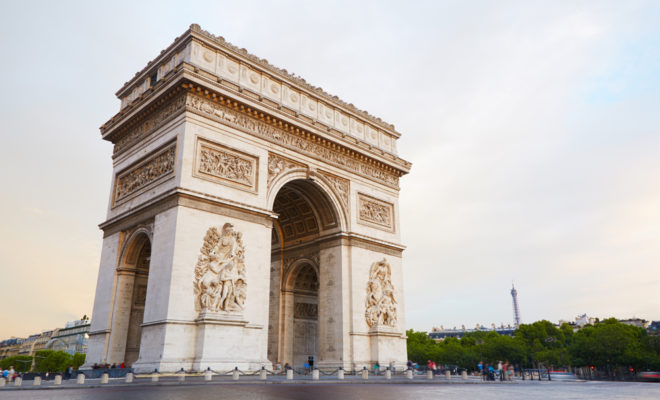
(253, 220)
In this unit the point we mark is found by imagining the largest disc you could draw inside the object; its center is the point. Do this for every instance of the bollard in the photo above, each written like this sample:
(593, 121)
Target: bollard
(340, 373)
(129, 377)
(315, 374)
(208, 374)
(409, 373)
(464, 375)
(448, 375)
(80, 379)
(58, 379)
(182, 375)
(37, 381)
(2, 382)
(388, 373)
(105, 378)
(18, 381)
(429, 374)
(289, 374)
(262, 374)
(155, 376)
(234, 375)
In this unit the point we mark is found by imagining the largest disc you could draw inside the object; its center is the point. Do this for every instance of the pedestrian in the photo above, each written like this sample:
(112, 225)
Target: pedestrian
(376, 366)
(409, 364)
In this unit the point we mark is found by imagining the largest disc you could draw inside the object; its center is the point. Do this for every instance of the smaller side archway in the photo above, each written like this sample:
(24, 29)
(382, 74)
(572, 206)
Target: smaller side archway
(300, 316)
(130, 298)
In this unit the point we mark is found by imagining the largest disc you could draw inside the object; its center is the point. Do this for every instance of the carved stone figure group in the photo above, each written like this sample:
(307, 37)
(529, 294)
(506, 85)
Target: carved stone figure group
(381, 307)
(220, 283)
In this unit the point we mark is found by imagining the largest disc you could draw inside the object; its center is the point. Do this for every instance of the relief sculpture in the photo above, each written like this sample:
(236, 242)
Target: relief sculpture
(381, 305)
(277, 165)
(144, 174)
(220, 283)
(376, 212)
(224, 165)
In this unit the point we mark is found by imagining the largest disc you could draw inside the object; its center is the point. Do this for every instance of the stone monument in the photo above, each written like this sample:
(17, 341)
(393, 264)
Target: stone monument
(252, 221)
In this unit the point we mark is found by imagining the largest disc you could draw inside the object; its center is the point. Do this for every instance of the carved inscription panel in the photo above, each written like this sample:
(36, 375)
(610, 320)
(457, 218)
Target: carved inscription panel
(224, 165)
(305, 310)
(145, 172)
(374, 212)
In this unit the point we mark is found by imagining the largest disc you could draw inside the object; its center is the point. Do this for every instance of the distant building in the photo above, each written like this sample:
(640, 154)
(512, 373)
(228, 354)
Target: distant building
(72, 338)
(653, 328)
(10, 347)
(580, 321)
(440, 334)
(641, 323)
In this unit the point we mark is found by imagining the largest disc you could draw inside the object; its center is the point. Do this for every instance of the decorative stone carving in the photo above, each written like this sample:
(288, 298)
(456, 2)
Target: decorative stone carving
(305, 145)
(377, 213)
(305, 310)
(381, 307)
(145, 172)
(220, 283)
(224, 165)
(341, 187)
(277, 165)
(154, 121)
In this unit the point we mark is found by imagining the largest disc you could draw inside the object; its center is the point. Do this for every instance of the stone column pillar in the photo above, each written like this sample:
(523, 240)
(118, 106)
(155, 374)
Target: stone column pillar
(121, 315)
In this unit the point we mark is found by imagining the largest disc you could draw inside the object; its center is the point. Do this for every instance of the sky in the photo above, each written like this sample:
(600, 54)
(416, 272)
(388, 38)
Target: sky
(533, 128)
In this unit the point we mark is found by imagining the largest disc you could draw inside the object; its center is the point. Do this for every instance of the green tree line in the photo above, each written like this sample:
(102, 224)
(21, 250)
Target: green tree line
(606, 343)
(45, 361)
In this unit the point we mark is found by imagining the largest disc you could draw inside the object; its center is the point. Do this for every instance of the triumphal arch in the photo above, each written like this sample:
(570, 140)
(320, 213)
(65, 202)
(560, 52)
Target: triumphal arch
(253, 220)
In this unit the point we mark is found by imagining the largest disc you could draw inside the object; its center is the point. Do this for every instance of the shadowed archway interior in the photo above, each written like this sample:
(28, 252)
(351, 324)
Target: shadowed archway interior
(305, 216)
(139, 257)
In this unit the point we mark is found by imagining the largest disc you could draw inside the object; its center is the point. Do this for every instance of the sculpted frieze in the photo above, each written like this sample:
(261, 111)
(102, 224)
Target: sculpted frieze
(280, 136)
(381, 307)
(145, 173)
(154, 121)
(219, 163)
(220, 275)
(278, 165)
(375, 212)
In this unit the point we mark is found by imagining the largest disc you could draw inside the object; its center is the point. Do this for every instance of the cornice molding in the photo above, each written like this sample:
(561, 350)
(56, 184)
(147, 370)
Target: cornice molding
(196, 32)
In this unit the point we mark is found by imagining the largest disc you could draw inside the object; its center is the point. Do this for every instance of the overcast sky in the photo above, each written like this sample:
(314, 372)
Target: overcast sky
(533, 129)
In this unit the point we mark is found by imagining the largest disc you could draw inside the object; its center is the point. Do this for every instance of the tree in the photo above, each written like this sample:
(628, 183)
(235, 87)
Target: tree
(78, 360)
(52, 361)
(610, 343)
(20, 363)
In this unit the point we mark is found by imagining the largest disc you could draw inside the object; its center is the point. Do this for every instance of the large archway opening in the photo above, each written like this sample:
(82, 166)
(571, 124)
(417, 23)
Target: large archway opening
(306, 217)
